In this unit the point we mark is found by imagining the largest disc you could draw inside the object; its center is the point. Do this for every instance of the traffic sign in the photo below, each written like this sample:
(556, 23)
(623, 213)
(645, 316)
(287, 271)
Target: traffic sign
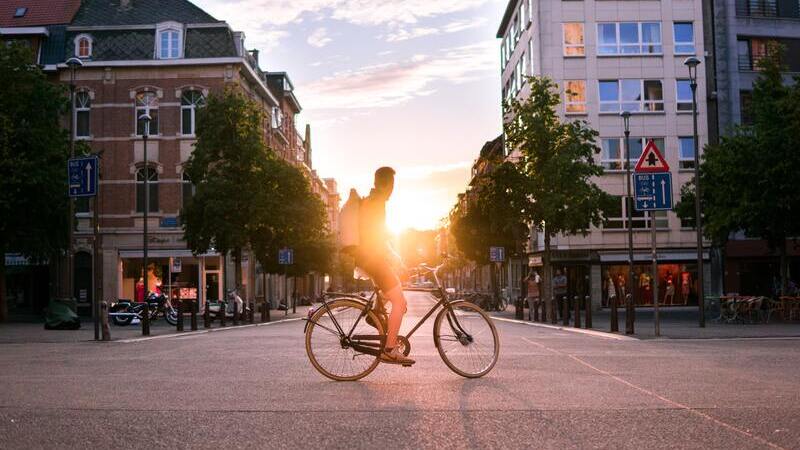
(497, 254)
(651, 160)
(83, 176)
(286, 256)
(653, 191)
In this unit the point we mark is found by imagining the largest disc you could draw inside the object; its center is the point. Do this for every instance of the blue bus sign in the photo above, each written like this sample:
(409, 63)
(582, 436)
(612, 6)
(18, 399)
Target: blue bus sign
(83, 176)
(286, 256)
(653, 191)
(497, 254)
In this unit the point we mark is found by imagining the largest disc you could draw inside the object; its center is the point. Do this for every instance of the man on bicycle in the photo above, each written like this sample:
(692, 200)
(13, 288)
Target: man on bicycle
(376, 257)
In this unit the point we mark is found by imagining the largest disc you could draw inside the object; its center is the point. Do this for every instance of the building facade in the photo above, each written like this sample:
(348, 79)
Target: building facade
(608, 57)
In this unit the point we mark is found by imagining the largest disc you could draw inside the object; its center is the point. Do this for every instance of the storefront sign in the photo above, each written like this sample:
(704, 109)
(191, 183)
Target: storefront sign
(176, 265)
(169, 222)
(534, 261)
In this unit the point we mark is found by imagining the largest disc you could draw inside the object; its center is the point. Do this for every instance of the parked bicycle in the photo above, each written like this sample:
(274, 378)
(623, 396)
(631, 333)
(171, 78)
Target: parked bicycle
(342, 346)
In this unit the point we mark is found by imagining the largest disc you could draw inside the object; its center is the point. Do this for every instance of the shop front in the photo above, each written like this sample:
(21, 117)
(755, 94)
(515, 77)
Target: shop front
(676, 276)
(27, 286)
(175, 273)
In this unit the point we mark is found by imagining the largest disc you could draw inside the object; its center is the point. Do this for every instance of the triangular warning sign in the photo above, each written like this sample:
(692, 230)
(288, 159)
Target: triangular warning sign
(651, 160)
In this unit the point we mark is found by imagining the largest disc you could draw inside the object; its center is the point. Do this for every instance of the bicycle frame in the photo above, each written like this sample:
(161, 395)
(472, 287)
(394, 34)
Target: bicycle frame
(444, 302)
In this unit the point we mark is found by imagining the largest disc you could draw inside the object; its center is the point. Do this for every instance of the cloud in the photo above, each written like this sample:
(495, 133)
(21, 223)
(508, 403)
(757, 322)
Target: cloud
(404, 34)
(319, 38)
(389, 84)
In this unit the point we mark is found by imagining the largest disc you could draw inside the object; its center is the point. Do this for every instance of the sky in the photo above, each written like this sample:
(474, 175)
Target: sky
(411, 84)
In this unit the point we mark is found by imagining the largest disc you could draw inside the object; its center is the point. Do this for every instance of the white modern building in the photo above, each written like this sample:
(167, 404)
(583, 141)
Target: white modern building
(608, 56)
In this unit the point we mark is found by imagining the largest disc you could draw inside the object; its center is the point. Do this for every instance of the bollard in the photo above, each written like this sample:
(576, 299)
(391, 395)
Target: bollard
(194, 315)
(535, 310)
(554, 312)
(235, 313)
(206, 316)
(629, 313)
(565, 310)
(264, 308)
(614, 315)
(223, 311)
(252, 311)
(588, 305)
(146, 319)
(577, 300)
(180, 315)
(519, 313)
(104, 321)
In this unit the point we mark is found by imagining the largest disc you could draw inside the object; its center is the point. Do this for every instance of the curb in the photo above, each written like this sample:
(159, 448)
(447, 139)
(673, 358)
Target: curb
(594, 333)
(199, 332)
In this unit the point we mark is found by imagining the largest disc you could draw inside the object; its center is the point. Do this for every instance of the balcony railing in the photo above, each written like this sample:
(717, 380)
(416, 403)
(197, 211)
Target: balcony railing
(789, 9)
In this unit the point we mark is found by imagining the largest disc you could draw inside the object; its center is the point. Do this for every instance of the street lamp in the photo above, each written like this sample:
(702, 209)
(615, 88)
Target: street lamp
(629, 311)
(145, 118)
(73, 64)
(692, 63)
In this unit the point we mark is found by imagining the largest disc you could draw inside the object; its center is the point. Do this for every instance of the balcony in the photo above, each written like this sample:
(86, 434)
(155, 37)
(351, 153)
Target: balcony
(786, 9)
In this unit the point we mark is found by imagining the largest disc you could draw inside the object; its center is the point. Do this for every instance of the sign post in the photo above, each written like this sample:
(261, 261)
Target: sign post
(286, 258)
(653, 192)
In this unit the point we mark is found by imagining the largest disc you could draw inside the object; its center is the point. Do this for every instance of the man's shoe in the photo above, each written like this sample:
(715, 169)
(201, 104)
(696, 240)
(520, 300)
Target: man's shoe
(394, 356)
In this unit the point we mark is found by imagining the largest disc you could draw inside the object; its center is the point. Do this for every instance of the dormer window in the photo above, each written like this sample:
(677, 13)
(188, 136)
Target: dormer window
(169, 40)
(83, 46)
(20, 12)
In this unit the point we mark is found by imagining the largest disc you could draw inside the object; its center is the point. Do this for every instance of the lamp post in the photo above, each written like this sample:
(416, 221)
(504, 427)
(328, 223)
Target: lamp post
(73, 64)
(692, 63)
(629, 311)
(145, 118)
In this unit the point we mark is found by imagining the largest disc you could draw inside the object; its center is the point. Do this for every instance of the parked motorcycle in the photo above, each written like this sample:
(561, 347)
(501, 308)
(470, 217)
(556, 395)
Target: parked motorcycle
(124, 311)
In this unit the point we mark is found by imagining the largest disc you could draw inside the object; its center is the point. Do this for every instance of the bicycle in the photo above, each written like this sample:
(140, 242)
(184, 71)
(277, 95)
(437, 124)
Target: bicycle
(342, 346)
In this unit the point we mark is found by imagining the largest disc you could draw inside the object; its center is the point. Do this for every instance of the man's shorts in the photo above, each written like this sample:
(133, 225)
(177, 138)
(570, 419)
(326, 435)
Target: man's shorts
(380, 272)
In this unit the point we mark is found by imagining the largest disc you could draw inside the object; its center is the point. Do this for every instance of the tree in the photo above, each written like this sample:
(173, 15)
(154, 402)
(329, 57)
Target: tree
(556, 165)
(33, 158)
(748, 180)
(227, 166)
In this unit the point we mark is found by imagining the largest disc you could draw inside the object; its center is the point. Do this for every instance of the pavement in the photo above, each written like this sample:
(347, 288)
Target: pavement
(253, 387)
(679, 323)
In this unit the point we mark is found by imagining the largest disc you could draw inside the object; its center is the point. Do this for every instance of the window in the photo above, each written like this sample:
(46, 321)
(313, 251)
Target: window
(523, 21)
(617, 217)
(613, 151)
(187, 190)
(503, 55)
(686, 152)
(751, 52)
(519, 73)
(515, 29)
(20, 12)
(82, 205)
(277, 117)
(631, 95)
(530, 55)
(83, 103)
(629, 38)
(146, 103)
(683, 36)
(573, 39)
(683, 95)
(530, 10)
(169, 44)
(190, 101)
(575, 96)
(83, 46)
(152, 181)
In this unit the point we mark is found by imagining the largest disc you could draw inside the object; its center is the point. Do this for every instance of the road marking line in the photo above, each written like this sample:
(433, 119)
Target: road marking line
(672, 403)
(595, 333)
(190, 334)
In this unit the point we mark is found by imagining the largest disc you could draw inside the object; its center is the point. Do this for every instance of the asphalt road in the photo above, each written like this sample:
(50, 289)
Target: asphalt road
(254, 388)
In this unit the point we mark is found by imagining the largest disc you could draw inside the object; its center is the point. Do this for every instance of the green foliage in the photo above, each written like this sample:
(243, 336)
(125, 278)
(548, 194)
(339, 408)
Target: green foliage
(748, 181)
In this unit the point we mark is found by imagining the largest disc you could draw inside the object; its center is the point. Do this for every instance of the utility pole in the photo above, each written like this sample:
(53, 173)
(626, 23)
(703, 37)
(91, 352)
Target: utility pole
(629, 300)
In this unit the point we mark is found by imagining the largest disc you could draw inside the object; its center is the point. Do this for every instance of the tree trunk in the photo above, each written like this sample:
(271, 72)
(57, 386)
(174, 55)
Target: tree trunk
(784, 268)
(3, 300)
(548, 279)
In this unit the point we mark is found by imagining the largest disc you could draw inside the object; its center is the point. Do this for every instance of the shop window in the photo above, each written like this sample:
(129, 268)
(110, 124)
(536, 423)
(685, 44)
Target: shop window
(683, 95)
(190, 102)
(82, 110)
(575, 93)
(683, 37)
(152, 181)
(676, 284)
(146, 103)
(573, 39)
(686, 155)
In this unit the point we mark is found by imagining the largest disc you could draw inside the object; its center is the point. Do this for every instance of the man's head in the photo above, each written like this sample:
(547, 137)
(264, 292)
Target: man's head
(384, 181)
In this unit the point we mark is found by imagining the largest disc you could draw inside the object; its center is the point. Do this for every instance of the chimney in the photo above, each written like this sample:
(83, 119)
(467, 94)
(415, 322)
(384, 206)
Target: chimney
(254, 52)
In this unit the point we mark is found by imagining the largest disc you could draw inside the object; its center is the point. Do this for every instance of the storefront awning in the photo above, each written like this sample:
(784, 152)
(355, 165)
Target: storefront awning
(162, 253)
(683, 256)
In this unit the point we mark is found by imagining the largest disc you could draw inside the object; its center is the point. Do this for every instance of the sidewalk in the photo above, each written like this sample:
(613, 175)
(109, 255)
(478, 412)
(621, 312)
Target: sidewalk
(28, 333)
(680, 323)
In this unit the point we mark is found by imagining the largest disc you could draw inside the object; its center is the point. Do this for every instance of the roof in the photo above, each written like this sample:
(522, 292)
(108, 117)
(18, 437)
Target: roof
(139, 12)
(39, 12)
(510, 8)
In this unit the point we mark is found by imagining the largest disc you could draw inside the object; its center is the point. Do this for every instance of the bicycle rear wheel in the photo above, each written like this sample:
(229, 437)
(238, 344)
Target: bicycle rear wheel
(328, 348)
(468, 343)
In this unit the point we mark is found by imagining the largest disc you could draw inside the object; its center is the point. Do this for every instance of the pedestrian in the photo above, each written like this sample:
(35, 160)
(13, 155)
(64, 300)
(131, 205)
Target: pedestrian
(611, 289)
(560, 292)
(533, 294)
(138, 294)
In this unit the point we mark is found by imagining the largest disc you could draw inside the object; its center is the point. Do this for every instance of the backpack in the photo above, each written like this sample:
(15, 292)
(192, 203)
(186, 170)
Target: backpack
(349, 237)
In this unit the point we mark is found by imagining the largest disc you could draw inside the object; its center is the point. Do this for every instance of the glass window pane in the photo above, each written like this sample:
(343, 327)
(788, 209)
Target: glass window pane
(651, 33)
(186, 121)
(82, 123)
(635, 148)
(609, 91)
(684, 32)
(653, 91)
(687, 148)
(684, 91)
(629, 33)
(631, 90)
(607, 33)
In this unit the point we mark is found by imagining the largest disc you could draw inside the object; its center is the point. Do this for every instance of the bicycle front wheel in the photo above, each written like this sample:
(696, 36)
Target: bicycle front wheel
(466, 339)
(330, 350)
